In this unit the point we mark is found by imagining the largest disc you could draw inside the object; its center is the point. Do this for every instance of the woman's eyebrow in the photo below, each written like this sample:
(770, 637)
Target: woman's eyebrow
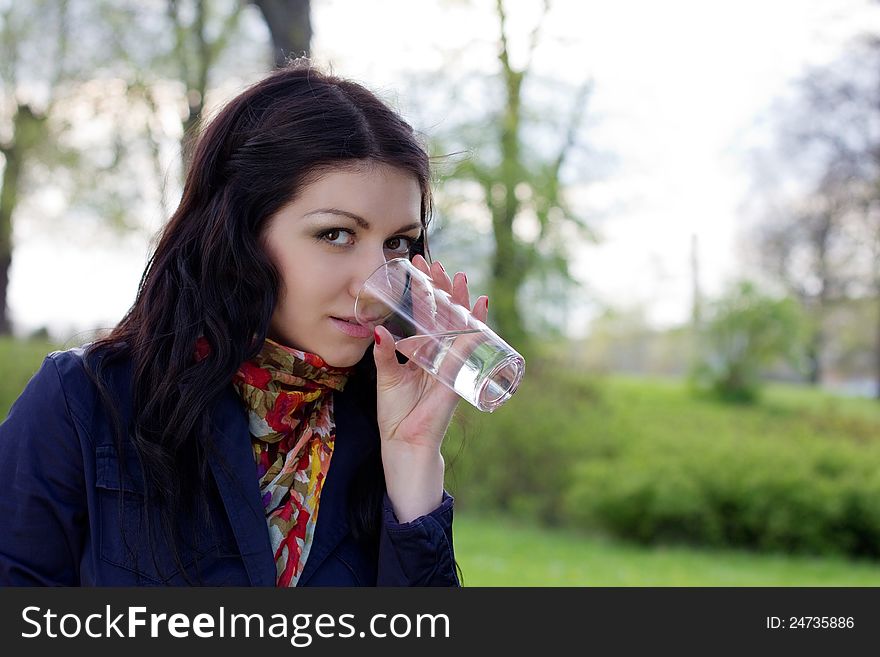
(360, 221)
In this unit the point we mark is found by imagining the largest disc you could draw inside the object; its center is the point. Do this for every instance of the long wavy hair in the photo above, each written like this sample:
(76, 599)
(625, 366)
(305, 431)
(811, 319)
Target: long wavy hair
(210, 277)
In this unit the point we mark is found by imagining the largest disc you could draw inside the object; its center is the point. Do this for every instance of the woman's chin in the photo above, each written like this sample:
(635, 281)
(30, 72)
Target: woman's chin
(342, 359)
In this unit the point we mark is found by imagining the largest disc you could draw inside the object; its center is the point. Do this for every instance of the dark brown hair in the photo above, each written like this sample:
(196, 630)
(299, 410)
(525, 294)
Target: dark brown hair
(209, 276)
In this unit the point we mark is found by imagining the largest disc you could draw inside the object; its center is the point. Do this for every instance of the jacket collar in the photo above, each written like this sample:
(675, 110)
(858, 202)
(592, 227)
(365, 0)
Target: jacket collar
(234, 469)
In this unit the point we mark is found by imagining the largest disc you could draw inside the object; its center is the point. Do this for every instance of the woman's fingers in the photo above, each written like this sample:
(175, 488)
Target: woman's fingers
(460, 293)
(481, 308)
(388, 370)
(440, 277)
(421, 264)
(456, 287)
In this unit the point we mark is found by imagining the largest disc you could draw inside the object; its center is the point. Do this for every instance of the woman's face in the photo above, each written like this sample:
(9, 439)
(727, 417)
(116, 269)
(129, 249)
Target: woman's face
(326, 242)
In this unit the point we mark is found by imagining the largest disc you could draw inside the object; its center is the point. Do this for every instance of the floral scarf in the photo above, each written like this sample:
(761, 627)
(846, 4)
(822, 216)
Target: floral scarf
(288, 394)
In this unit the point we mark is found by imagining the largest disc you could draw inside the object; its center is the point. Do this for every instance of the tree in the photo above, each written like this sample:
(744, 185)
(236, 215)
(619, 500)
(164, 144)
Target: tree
(519, 183)
(202, 31)
(805, 245)
(27, 30)
(290, 25)
(821, 241)
(196, 50)
(181, 41)
(746, 331)
(85, 89)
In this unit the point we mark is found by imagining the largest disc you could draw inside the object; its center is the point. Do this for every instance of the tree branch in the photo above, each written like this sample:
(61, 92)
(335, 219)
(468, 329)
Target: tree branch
(534, 37)
(173, 12)
(205, 51)
(10, 50)
(502, 23)
(577, 116)
(230, 24)
(61, 56)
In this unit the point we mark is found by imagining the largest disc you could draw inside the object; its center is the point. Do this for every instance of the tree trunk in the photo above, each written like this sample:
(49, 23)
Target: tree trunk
(509, 264)
(27, 130)
(5, 266)
(196, 82)
(8, 199)
(290, 26)
(507, 277)
(816, 343)
(814, 351)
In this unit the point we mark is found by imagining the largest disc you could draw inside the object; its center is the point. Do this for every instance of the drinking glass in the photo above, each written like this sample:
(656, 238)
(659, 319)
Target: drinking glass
(439, 335)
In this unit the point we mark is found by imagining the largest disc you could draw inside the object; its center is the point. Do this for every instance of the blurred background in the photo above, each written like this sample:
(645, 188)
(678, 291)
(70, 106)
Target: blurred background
(673, 206)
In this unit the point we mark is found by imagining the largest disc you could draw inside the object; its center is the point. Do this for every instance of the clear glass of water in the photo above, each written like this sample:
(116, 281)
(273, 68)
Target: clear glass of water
(439, 335)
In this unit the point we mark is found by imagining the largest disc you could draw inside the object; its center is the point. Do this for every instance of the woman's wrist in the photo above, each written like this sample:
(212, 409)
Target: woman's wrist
(413, 479)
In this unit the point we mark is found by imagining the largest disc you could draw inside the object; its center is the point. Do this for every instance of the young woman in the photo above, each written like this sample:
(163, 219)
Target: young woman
(236, 427)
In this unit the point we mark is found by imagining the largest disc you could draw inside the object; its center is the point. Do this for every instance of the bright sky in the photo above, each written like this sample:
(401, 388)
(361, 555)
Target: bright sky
(678, 86)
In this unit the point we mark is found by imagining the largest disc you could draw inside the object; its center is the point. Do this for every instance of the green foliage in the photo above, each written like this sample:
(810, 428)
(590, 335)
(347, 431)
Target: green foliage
(19, 361)
(520, 458)
(775, 497)
(746, 331)
(646, 461)
(517, 157)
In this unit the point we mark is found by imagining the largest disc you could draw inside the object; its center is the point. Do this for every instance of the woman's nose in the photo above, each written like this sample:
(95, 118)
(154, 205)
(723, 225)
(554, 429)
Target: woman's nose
(365, 268)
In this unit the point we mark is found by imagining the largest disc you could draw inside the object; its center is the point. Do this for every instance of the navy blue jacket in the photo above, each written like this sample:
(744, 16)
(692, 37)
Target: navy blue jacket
(61, 521)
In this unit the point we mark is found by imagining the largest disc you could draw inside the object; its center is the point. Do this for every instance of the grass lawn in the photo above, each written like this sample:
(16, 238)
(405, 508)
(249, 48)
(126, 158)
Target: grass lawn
(500, 552)
(660, 408)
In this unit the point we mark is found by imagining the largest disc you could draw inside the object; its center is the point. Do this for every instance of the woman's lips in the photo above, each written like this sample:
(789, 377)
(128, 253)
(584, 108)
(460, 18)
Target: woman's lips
(351, 329)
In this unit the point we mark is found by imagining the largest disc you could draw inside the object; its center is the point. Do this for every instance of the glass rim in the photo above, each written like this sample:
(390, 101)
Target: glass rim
(388, 262)
(509, 359)
(384, 265)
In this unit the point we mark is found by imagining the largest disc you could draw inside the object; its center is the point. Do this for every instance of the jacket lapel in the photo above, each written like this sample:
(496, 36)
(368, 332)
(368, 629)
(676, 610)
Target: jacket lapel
(355, 438)
(236, 476)
(232, 464)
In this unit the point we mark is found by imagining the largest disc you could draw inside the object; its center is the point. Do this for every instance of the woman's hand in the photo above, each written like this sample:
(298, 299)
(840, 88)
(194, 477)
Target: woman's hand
(414, 411)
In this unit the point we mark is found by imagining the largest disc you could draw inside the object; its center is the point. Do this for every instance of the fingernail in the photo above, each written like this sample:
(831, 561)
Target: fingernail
(465, 277)
(376, 336)
(487, 303)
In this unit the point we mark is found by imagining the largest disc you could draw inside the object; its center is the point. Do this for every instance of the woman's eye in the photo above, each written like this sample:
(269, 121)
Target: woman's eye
(399, 244)
(332, 236)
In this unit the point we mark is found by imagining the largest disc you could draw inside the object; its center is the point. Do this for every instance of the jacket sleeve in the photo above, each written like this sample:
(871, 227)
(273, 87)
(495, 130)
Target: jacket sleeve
(42, 498)
(419, 552)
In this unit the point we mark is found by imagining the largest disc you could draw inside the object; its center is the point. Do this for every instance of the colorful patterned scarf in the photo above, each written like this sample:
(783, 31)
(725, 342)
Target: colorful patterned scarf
(288, 394)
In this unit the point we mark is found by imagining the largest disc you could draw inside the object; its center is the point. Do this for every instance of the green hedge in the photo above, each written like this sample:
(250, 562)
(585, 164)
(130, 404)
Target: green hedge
(646, 461)
(818, 498)
(519, 459)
